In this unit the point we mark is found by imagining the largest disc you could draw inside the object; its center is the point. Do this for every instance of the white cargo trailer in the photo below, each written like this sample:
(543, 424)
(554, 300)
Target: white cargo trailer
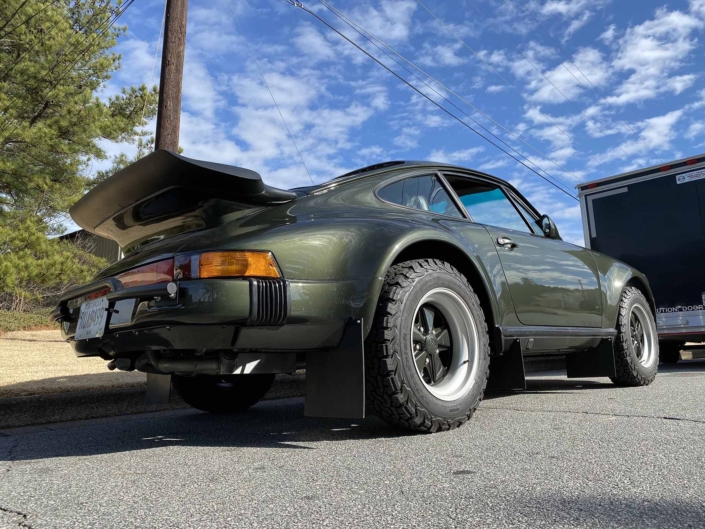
(654, 220)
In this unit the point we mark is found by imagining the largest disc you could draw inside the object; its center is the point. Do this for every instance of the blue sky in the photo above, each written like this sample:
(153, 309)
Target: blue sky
(643, 57)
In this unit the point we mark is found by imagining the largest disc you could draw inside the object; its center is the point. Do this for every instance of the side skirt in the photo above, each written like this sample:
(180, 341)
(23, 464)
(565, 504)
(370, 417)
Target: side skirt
(335, 380)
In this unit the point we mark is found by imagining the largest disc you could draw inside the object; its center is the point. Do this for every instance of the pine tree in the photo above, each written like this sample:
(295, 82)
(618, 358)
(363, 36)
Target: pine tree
(56, 57)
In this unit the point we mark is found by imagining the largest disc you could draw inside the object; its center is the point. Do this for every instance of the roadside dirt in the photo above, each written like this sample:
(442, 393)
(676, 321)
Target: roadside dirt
(42, 381)
(40, 363)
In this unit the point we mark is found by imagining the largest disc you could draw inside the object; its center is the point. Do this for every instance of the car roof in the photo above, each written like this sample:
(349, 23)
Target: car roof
(397, 165)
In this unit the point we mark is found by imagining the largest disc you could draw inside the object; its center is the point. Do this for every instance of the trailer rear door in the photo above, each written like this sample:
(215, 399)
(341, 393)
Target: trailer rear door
(657, 226)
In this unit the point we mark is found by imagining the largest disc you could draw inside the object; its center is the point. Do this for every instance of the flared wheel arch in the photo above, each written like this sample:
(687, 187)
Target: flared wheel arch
(464, 263)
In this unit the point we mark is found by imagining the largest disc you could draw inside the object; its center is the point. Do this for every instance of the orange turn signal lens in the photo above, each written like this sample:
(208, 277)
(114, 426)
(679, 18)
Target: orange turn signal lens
(237, 264)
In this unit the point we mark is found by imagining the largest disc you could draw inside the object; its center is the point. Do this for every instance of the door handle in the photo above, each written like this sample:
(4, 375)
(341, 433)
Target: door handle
(506, 242)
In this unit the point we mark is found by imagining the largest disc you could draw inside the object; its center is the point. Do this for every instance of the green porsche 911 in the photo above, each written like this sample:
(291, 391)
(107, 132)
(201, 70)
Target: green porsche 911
(407, 287)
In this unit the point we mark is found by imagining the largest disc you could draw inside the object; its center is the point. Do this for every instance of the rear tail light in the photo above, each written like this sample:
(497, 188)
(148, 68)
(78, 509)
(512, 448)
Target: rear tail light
(77, 302)
(200, 266)
(149, 274)
(226, 264)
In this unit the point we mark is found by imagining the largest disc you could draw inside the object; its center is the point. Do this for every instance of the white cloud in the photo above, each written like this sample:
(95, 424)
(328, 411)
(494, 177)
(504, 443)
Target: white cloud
(409, 138)
(694, 130)
(493, 89)
(652, 51)
(697, 7)
(464, 155)
(495, 163)
(609, 34)
(198, 87)
(568, 8)
(566, 78)
(313, 44)
(442, 55)
(391, 22)
(378, 95)
(576, 24)
(655, 134)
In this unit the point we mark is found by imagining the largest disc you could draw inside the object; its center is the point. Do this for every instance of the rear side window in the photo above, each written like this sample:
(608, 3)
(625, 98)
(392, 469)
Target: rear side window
(420, 192)
(487, 204)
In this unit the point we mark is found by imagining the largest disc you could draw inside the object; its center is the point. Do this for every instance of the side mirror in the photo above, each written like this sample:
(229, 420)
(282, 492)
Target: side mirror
(549, 227)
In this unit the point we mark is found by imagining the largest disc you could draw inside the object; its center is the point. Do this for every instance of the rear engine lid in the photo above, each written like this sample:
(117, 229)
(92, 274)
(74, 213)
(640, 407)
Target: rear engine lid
(164, 194)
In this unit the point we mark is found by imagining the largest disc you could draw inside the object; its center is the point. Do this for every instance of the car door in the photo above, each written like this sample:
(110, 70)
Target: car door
(551, 282)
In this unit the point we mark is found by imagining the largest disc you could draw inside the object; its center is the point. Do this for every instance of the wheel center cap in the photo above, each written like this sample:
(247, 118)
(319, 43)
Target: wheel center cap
(432, 345)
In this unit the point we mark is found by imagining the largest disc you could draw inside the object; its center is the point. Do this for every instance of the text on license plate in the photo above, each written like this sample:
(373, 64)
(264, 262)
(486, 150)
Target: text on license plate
(91, 319)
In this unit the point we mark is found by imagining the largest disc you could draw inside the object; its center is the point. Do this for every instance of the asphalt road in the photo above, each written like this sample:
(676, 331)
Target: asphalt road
(563, 454)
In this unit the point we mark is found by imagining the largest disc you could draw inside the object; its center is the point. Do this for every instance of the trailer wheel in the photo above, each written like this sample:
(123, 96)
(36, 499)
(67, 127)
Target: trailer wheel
(427, 355)
(222, 393)
(636, 348)
(670, 352)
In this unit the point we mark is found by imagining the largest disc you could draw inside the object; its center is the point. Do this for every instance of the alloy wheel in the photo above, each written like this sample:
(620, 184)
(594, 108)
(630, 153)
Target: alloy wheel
(445, 344)
(642, 336)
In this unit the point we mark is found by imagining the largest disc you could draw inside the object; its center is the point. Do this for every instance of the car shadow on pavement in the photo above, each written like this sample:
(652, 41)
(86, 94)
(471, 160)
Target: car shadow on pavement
(555, 381)
(277, 424)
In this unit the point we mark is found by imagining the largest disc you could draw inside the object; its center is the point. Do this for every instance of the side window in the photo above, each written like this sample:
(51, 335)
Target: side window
(487, 204)
(420, 192)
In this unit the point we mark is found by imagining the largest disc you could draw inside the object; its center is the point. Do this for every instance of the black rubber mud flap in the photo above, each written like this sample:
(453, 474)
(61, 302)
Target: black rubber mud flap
(507, 369)
(158, 389)
(335, 380)
(595, 362)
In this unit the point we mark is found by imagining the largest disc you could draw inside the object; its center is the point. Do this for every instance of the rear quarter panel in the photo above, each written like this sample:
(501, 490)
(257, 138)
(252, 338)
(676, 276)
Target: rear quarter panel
(614, 277)
(348, 238)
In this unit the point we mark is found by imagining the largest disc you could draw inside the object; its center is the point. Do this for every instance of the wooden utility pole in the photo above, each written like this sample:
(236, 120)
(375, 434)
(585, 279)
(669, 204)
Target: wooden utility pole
(172, 72)
(168, 122)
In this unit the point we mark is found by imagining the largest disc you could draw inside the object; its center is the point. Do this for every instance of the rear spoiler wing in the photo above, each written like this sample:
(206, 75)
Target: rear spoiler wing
(164, 194)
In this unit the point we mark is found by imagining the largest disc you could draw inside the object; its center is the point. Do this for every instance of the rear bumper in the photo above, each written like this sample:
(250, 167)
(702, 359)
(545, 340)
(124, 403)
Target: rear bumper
(241, 314)
(681, 326)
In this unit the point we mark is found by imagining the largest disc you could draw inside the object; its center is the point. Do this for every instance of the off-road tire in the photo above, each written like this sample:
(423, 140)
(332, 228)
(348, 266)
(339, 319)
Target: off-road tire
(631, 372)
(391, 393)
(222, 393)
(670, 352)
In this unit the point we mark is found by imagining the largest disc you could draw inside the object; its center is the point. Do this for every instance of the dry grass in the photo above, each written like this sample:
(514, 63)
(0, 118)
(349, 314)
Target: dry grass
(39, 363)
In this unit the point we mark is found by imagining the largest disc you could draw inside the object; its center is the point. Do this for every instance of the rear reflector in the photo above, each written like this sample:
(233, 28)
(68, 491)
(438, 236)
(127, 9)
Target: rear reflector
(149, 274)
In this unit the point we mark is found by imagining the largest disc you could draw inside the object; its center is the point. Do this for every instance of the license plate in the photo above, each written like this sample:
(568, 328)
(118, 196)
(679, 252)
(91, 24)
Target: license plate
(91, 319)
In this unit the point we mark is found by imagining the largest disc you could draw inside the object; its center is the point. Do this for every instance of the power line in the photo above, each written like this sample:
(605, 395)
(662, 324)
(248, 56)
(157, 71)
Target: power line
(14, 14)
(296, 3)
(111, 22)
(371, 38)
(59, 54)
(410, 63)
(564, 55)
(516, 47)
(154, 62)
(30, 49)
(252, 54)
(26, 20)
(497, 73)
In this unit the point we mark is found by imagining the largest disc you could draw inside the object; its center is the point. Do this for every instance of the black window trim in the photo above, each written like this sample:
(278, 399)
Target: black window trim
(426, 171)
